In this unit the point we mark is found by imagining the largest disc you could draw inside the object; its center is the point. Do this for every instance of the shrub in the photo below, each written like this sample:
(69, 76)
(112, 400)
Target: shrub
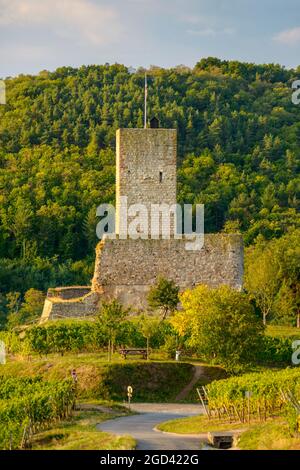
(220, 324)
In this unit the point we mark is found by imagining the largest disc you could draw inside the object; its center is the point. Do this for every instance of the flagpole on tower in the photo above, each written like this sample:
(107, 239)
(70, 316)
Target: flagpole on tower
(146, 94)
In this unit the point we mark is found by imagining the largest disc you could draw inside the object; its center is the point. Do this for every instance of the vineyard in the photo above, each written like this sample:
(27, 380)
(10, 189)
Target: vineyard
(28, 405)
(62, 337)
(254, 396)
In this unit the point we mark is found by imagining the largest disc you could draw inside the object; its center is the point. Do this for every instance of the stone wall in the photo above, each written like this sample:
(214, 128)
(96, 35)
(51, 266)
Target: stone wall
(55, 308)
(70, 292)
(126, 269)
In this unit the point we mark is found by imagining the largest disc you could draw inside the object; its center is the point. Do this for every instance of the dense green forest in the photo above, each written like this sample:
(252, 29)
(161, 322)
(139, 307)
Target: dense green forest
(238, 153)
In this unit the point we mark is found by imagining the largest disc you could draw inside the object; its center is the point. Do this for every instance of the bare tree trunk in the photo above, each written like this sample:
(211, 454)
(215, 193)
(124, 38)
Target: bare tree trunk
(264, 318)
(147, 348)
(298, 319)
(109, 351)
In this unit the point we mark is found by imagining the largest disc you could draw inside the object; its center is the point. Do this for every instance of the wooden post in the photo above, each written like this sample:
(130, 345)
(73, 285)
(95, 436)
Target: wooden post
(249, 408)
(240, 417)
(206, 409)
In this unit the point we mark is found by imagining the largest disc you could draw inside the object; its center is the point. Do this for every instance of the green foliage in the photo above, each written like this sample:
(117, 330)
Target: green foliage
(266, 397)
(30, 309)
(111, 317)
(293, 418)
(61, 337)
(220, 324)
(151, 382)
(87, 336)
(30, 402)
(13, 343)
(238, 136)
(275, 351)
(20, 275)
(272, 277)
(164, 295)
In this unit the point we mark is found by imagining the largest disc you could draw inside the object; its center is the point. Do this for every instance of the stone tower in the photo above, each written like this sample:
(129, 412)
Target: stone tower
(145, 169)
(126, 268)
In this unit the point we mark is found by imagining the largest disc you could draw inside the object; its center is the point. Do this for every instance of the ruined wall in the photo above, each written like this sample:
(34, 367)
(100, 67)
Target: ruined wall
(69, 292)
(56, 308)
(127, 268)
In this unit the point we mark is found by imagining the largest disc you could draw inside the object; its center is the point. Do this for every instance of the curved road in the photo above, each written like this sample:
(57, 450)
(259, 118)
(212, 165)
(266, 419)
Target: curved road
(141, 426)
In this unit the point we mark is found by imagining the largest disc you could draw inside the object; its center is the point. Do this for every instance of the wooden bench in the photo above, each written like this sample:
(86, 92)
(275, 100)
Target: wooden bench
(133, 352)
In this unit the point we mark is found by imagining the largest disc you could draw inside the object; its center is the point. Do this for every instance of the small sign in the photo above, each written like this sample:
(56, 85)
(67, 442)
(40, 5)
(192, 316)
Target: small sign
(248, 394)
(129, 391)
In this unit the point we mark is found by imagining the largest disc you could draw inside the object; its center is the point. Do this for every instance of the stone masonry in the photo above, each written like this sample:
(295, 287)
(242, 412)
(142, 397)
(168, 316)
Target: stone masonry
(124, 268)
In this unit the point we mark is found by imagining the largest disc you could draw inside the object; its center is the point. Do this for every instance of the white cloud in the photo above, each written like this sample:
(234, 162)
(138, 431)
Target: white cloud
(210, 31)
(290, 37)
(75, 19)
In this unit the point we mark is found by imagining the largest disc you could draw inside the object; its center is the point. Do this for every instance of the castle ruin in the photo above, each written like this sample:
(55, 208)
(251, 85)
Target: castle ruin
(125, 269)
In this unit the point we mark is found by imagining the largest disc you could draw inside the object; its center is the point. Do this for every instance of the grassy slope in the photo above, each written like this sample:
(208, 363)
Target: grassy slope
(80, 433)
(279, 331)
(151, 381)
(271, 435)
(196, 425)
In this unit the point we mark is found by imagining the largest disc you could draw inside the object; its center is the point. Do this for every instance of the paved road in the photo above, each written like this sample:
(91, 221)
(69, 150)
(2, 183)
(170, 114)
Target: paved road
(141, 426)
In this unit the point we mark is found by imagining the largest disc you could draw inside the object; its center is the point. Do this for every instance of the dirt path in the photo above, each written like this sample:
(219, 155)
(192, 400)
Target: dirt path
(199, 371)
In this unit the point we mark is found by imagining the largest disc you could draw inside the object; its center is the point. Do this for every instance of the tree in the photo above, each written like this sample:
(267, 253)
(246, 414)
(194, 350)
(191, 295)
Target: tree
(272, 277)
(31, 308)
(285, 305)
(13, 304)
(149, 327)
(261, 279)
(287, 252)
(111, 317)
(164, 295)
(220, 324)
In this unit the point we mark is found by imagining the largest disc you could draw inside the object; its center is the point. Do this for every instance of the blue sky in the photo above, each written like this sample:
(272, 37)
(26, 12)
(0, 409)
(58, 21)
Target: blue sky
(46, 34)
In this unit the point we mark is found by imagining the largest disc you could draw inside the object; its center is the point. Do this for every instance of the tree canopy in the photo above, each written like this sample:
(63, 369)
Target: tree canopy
(238, 153)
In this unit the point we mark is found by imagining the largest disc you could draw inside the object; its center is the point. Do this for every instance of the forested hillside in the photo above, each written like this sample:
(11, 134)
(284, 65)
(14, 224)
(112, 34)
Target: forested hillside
(239, 148)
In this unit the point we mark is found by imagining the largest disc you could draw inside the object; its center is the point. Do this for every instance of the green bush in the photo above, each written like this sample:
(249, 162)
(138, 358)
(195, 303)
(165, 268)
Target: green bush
(84, 336)
(275, 350)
